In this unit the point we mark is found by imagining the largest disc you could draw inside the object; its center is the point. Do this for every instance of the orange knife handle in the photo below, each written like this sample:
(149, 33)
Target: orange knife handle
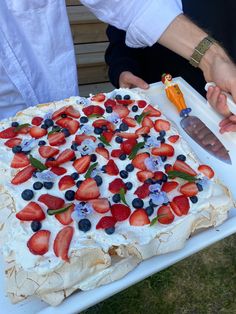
(175, 96)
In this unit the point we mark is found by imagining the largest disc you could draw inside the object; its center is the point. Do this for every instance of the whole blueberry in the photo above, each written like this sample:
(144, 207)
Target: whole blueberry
(119, 139)
(103, 168)
(37, 185)
(83, 119)
(49, 122)
(199, 186)
(16, 149)
(129, 185)
(162, 133)
(124, 174)
(74, 146)
(145, 136)
(36, 225)
(124, 127)
(149, 181)
(166, 166)
(101, 145)
(44, 126)
(109, 109)
(122, 156)
(75, 175)
(84, 225)
(136, 117)
(149, 210)
(73, 159)
(48, 185)
(98, 131)
(118, 97)
(64, 115)
(116, 198)
(41, 143)
(127, 97)
(162, 140)
(78, 183)
(27, 195)
(181, 157)
(110, 230)
(164, 178)
(129, 168)
(137, 203)
(152, 204)
(134, 108)
(70, 195)
(98, 180)
(50, 159)
(15, 124)
(163, 158)
(93, 157)
(194, 199)
(104, 128)
(66, 132)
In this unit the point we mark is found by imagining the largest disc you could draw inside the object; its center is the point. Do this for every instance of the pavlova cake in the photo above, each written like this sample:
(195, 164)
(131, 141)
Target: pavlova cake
(91, 187)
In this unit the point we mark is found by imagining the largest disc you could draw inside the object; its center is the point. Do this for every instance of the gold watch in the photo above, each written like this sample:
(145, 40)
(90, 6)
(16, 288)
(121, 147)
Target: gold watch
(200, 50)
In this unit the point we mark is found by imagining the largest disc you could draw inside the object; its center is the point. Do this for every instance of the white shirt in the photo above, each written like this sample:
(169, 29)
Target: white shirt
(37, 61)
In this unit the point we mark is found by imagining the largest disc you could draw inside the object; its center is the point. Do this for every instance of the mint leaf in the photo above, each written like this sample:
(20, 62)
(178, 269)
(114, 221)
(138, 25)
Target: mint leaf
(182, 175)
(37, 164)
(122, 196)
(135, 150)
(21, 126)
(141, 116)
(155, 220)
(90, 169)
(103, 140)
(51, 212)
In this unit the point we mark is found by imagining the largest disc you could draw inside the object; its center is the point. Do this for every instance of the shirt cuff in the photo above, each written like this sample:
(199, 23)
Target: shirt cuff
(148, 26)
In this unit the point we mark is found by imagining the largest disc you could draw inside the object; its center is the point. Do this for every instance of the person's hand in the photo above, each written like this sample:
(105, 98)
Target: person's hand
(129, 80)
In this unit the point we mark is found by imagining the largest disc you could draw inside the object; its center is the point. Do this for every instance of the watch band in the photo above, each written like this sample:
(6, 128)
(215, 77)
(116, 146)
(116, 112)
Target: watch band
(200, 50)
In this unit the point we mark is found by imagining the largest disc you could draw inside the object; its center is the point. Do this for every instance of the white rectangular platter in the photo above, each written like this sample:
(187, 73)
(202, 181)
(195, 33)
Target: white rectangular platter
(82, 300)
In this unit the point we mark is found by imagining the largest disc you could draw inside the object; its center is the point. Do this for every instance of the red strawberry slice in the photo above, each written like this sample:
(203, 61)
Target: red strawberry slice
(128, 145)
(152, 112)
(20, 160)
(100, 205)
(58, 113)
(88, 190)
(164, 150)
(116, 185)
(131, 122)
(37, 132)
(110, 103)
(108, 135)
(125, 102)
(120, 212)
(101, 123)
(127, 135)
(48, 151)
(147, 122)
(65, 217)
(207, 171)
(168, 168)
(13, 142)
(24, 175)
(72, 112)
(184, 167)
(116, 153)
(165, 215)
(62, 242)
(59, 171)
(141, 103)
(63, 122)
(142, 130)
(161, 125)
(180, 205)
(173, 138)
(111, 168)
(81, 137)
(103, 152)
(30, 212)
(24, 130)
(169, 186)
(8, 133)
(138, 161)
(65, 156)
(51, 163)
(38, 244)
(99, 97)
(158, 175)
(189, 189)
(121, 110)
(98, 110)
(66, 182)
(51, 201)
(106, 222)
(144, 175)
(37, 121)
(56, 139)
(82, 164)
(139, 218)
(142, 191)
(88, 111)
(73, 126)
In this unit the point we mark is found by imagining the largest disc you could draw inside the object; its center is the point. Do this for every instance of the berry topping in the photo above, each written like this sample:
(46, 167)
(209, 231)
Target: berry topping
(120, 212)
(100, 205)
(181, 157)
(8, 133)
(30, 212)
(66, 182)
(206, 171)
(56, 139)
(144, 175)
(48, 151)
(110, 230)
(142, 192)
(137, 203)
(162, 125)
(106, 222)
(180, 205)
(98, 180)
(184, 167)
(116, 185)
(27, 195)
(173, 138)
(37, 132)
(84, 225)
(163, 150)
(128, 145)
(72, 112)
(37, 185)
(65, 156)
(38, 244)
(81, 137)
(17, 149)
(88, 190)
(138, 161)
(103, 152)
(194, 199)
(48, 185)
(13, 142)
(128, 185)
(62, 243)
(24, 175)
(147, 122)
(70, 195)
(99, 97)
(116, 198)
(165, 215)
(124, 174)
(19, 160)
(59, 171)
(149, 210)
(65, 217)
(169, 186)
(129, 168)
(81, 165)
(139, 218)
(152, 112)
(111, 168)
(36, 225)
(189, 189)
(52, 202)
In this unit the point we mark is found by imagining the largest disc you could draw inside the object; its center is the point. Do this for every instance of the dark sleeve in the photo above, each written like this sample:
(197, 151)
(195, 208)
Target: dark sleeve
(120, 57)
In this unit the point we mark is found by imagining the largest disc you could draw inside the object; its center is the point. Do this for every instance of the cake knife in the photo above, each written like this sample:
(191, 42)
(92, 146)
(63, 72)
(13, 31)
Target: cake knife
(192, 125)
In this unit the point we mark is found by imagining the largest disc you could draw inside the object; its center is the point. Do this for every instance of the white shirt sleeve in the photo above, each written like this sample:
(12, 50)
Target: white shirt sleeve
(143, 21)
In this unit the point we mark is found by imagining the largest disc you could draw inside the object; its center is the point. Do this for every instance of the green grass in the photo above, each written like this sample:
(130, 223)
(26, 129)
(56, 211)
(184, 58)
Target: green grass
(203, 283)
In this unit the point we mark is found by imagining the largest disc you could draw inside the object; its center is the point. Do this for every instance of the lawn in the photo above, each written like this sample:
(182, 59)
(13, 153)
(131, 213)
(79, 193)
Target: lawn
(203, 283)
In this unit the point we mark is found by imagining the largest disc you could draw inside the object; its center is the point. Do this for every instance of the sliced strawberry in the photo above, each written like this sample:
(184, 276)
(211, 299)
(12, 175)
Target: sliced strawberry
(164, 150)
(20, 160)
(106, 222)
(169, 186)
(111, 168)
(102, 122)
(48, 151)
(139, 218)
(168, 168)
(116, 185)
(127, 135)
(110, 103)
(121, 110)
(152, 112)
(116, 153)
(82, 164)
(158, 175)
(131, 122)
(24, 130)
(38, 244)
(142, 130)
(184, 167)
(30, 212)
(103, 152)
(98, 110)
(51, 163)
(88, 111)
(161, 125)
(180, 205)
(58, 113)
(63, 122)
(66, 182)
(37, 132)
(141, 103)
(62, 242)
(125, 102)
(59, 171)
(108, 135)
(144, 175)
(207, 171)
(173, 138)
(8, 133)
(99, 97)
(88, 190)
(37, 121)
(73, 126)
(120, 212)
(81, 137)
(72, 112)
(100, 205)
(138, 161)
(147, 122)
(56, 139)
(65, 156)
(142, 191)
(23, 175)
(51, 201)
(165, 215)
(65, 217)
(13, 142)
(128, 145)
(189, 189)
